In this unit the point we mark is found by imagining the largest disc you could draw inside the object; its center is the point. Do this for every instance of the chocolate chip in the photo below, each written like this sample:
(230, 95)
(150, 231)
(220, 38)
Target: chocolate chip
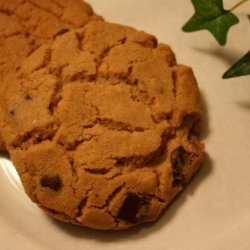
(169, 116)
(130, 208)
(12, 112)
(179, 159)
(61, 32)
(53, 182)
(27, 97)
(192, 122)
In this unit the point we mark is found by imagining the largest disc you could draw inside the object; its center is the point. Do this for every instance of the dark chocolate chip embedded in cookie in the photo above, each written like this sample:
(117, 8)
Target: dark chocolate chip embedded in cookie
(53, 182)
(99, 133)
(179, 158)
(131, 208)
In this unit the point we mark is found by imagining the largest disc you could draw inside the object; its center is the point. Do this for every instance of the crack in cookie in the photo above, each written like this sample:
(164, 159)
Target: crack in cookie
(116, 131)
(26, 25)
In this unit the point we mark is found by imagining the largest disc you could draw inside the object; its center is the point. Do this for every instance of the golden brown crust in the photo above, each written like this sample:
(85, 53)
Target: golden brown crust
(103, 134)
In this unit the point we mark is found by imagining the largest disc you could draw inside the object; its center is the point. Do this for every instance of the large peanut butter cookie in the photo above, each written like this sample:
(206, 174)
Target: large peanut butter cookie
(26, 24)
(102, 124)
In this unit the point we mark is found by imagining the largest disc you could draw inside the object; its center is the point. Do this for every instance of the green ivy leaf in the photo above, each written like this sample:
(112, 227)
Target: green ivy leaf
(240, 68)
(211, 15)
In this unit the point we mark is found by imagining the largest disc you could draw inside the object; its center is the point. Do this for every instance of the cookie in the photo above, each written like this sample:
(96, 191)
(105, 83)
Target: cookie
(102, 126)
(26, 24)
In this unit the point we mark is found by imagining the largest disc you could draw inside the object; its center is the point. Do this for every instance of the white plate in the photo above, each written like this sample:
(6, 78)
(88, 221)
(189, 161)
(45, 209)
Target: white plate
(214, 211)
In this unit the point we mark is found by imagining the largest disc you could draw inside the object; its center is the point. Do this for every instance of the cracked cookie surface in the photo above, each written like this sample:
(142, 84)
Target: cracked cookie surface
(102, 126)
(26, 24)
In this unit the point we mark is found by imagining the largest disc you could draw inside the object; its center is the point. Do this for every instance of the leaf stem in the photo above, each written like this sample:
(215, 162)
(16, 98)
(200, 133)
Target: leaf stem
(237, 5)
